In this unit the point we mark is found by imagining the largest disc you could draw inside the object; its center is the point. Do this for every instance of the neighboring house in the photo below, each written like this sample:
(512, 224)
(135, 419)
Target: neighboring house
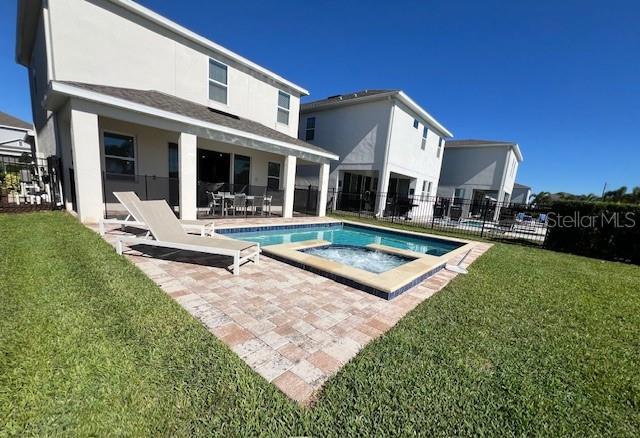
(16, 138)
(477, 171)
(128, 94)
(387, 144)
(521, 194)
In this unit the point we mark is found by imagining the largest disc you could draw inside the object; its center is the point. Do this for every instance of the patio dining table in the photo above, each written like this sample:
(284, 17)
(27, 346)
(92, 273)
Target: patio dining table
(228, 197)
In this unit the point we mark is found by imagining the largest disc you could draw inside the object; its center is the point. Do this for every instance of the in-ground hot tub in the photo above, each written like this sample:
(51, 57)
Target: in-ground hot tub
(381, 261)
(359, 257)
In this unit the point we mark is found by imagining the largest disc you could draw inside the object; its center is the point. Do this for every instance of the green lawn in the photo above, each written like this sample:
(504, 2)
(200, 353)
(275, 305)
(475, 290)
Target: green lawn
(531, 342)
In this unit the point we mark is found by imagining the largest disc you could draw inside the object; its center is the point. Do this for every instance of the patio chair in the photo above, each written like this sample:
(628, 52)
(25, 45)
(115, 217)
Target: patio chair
(167, 232)
(258, 204)
(239, 202)
(268, 200)
(214, 202)
(131, 202)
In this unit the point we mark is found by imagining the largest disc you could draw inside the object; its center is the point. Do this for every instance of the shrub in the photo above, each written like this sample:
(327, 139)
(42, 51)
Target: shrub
(603, 230)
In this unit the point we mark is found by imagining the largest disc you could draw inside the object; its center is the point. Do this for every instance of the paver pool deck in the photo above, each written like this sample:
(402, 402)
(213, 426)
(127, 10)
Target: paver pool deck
(293, 327)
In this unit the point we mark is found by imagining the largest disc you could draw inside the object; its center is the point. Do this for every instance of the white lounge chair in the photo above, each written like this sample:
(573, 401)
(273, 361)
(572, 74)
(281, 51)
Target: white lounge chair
(167, 232)
(131, 202)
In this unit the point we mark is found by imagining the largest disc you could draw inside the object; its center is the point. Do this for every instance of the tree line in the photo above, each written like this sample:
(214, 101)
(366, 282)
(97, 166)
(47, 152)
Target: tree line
(621, 195)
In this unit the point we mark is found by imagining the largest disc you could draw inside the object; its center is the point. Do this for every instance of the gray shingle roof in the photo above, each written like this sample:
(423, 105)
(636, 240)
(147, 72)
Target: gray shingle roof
(339, 98)
(176, 105)
(9, 120)
(520, 186)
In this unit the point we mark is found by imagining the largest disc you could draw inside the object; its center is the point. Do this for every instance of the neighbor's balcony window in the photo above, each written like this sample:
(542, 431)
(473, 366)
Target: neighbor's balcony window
(284, 101)
(119, 154)
(218, 81)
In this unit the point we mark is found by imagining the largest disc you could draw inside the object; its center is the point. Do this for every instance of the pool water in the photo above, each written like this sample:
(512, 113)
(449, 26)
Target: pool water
(358, 257)
(344, 234)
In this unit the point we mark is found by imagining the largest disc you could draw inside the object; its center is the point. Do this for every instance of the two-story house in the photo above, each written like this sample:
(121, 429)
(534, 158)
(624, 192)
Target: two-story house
(16, 138)
(477, 171)
(521, 194)
(388, 145)
(128, 98)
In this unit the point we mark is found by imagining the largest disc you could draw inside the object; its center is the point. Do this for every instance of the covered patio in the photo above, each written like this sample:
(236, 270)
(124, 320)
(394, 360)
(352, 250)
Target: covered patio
(203, 162)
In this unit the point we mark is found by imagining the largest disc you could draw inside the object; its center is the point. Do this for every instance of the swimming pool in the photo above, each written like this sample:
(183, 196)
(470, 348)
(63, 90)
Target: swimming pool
(350, 235)
(380, 261)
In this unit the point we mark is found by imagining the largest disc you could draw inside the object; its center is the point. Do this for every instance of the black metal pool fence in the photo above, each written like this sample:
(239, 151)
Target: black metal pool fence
(28, 184)
(602, 230)
(484, 218)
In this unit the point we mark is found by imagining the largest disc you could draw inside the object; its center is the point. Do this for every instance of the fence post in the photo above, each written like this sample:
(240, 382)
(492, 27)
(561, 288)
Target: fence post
(104, 194)
(484, 216)
(395, 209)
(433, 211)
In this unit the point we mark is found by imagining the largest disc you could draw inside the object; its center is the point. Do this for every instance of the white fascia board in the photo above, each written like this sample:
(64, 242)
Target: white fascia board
(17, 128)
(70, 90)
(328, 105)
(518, 153)
(422, 113)
(192, 36)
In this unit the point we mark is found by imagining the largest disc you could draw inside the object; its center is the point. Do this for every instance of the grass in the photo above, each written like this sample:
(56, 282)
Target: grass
(531, 342)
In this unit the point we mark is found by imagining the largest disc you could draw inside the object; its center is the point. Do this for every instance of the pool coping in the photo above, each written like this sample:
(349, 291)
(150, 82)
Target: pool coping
(386, 285)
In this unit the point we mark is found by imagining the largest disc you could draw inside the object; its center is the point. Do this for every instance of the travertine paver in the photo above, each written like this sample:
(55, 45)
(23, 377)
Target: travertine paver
(293, 327)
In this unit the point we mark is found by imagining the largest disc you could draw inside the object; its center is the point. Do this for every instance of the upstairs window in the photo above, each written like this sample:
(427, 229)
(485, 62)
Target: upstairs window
(284, 101)
(119, 154)
(218, 81)
(310, 129)
(416, 123)
(425, 131)
(440, 144)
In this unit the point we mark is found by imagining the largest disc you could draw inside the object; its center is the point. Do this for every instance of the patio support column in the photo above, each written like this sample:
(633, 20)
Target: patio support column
(383, 188)
(187, 157)
(85, 147)
(323, 188)
(289, 185)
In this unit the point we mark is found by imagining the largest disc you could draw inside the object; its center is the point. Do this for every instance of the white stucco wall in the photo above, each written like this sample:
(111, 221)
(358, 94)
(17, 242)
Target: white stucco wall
(406, 155)
(511, 171)
(356, 133)
(99, 42)
(471, 168)
(520, 195)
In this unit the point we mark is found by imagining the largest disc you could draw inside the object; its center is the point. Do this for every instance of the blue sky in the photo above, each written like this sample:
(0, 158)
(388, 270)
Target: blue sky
(561, 78)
